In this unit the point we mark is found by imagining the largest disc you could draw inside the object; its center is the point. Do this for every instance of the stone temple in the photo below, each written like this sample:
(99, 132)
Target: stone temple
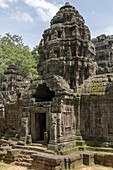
(69, 107)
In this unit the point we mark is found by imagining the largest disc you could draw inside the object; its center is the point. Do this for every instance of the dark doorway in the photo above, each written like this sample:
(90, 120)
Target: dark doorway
(43, 94)
(40, 125)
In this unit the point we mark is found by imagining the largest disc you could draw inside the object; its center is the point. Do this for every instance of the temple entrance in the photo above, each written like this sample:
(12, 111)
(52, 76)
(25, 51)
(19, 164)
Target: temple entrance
(40, 125)
(43, 94)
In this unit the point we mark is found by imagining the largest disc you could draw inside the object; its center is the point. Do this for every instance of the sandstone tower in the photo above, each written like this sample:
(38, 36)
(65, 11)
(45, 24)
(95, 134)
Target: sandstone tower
(66, 48)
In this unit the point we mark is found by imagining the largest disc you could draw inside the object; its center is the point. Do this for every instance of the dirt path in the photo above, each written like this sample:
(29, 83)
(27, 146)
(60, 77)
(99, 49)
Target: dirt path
(14, 167)
(11, 167)
(95, 167)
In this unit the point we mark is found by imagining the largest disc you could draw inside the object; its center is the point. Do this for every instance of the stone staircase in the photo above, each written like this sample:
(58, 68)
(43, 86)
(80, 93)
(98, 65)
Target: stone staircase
(10, 151)
(79, 141)
(24, 159)
(21, 155)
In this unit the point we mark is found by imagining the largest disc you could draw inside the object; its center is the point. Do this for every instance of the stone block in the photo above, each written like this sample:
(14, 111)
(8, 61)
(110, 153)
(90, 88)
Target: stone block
(88, 158)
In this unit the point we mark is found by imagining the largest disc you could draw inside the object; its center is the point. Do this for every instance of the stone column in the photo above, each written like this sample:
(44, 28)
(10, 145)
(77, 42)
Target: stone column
(77, 78)
(53, 128)
(24, 129)
(53, 132)
(59, 126)
(77, 48)
(78, 118)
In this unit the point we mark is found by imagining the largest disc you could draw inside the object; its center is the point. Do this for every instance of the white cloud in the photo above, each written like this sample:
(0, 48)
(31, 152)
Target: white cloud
(22, 17)
(5, 3)
(109, 30)
(43, 8)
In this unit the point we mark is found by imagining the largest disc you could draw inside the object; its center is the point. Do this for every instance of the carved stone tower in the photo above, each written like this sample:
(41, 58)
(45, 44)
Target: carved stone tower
(11, 79)
(66, 48)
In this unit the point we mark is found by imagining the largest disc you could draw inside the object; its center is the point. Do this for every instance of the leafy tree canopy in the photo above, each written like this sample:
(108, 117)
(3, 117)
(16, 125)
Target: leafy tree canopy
(12, 50)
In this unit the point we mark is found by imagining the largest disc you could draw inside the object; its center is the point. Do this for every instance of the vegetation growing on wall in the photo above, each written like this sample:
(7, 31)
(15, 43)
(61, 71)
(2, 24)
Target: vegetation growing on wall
(95, 86)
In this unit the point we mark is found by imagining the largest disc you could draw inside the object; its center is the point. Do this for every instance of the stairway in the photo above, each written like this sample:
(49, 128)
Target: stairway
(21, 155)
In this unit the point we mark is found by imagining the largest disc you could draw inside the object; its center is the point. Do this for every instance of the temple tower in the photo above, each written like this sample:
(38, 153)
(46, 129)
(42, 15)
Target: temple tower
(66, 48)
(11, 79)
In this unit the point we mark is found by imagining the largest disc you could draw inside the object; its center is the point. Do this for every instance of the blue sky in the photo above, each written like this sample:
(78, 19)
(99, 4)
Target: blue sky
(29, 18)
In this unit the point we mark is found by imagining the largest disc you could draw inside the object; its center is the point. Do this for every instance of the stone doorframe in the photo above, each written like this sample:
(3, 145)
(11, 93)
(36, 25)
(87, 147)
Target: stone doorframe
(38, 110)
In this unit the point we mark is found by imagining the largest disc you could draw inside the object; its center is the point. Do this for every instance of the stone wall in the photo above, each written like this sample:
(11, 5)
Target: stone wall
(104, 53)
(96, 118)
(13, 116)
(105, 159)
(54, 162)
(2, 115)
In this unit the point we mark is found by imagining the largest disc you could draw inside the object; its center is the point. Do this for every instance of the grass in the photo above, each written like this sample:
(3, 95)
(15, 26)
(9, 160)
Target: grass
(2, 165)
(5, 166)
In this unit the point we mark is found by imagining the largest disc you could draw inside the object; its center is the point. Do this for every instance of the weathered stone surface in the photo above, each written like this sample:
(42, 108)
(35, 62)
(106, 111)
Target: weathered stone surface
(66, 48)
(104, 53)
(47, 161)
(105, 159)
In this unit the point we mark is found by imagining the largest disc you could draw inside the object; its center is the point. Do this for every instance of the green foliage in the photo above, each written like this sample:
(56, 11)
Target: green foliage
(95, 87)
(12, 50)
(35, 54)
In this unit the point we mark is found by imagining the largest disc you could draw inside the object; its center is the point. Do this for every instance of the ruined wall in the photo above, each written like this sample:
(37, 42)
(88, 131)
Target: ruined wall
(13, 114)
(2, 115)
(96, 117)
(2, 120)
(104, 53)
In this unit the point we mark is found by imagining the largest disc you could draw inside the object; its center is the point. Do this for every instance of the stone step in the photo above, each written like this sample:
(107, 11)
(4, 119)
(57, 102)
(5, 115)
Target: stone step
(34, 148)
(5, 148)
(68, 151)
(28, 152)
(99, 149)
(80, 143)
(7, 142)
(2, 155)
(27, 156)
(25, 160)
(38, 144)
(25, 164)
(78, 138)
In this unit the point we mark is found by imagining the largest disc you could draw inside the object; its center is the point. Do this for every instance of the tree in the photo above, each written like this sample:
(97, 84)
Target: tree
(35, 54)
(12, 50)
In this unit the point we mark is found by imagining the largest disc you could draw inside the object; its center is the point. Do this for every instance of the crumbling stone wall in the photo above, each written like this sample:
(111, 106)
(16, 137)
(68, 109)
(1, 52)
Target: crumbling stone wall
(13, 116)
(104, 53)
(2, 116)
(96, 118)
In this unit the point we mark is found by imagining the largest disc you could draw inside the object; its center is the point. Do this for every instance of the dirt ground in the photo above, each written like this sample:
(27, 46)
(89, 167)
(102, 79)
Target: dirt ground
(95, 167)
(14, 167)
(11, 167)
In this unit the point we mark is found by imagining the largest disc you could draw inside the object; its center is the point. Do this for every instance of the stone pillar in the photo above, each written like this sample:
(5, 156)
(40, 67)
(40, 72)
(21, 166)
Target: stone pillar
(78, 118)
(53, 132)
(69, 52)
(59, 127)
(77, 48)
(77, 78)
(24, 129)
